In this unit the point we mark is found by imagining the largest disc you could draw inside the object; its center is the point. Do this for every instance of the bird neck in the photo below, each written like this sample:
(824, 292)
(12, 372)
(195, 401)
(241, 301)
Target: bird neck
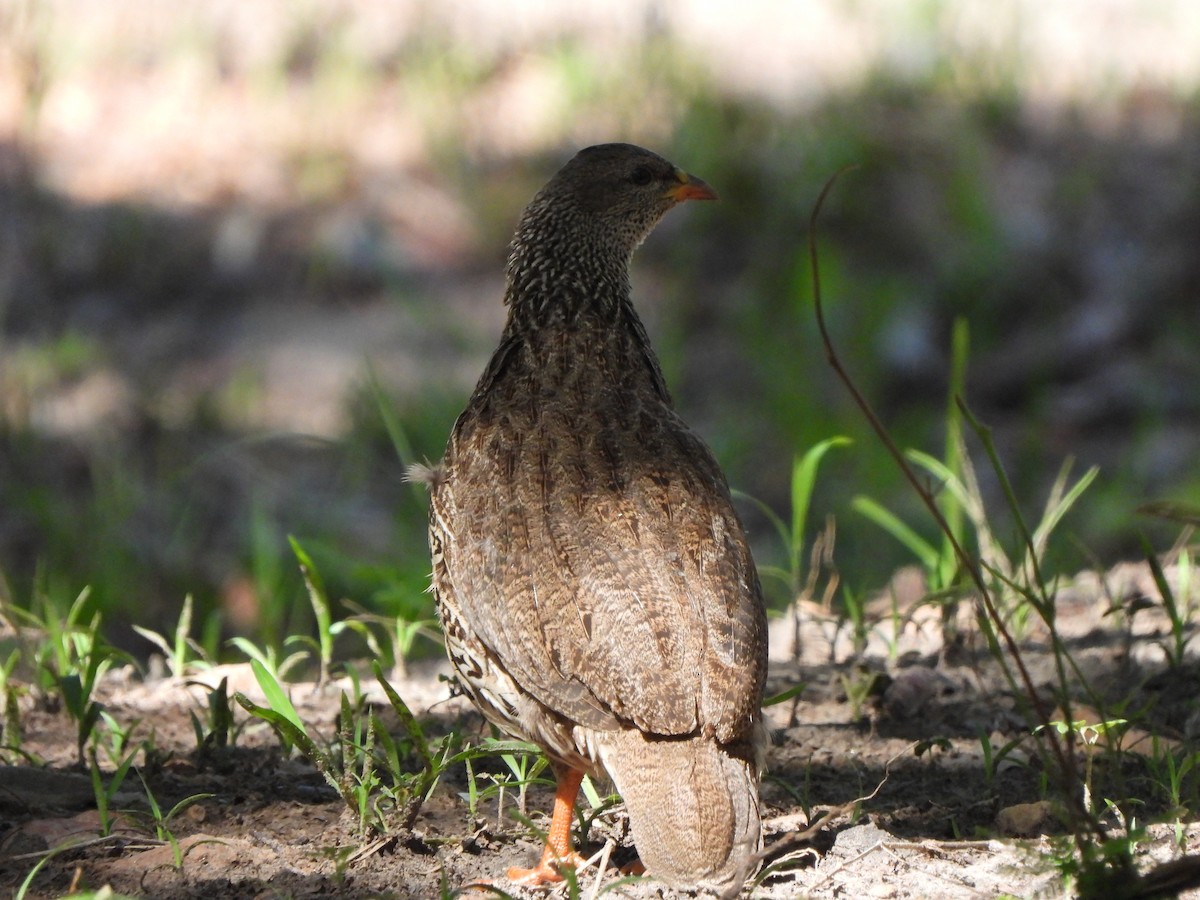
(570, 308)
(563, 276)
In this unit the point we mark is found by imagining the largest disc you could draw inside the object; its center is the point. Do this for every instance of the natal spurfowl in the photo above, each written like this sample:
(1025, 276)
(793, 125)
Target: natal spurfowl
(594, 583)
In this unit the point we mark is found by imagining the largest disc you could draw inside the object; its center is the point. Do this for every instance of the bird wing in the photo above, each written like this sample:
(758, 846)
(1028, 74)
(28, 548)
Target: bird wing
(604, 567)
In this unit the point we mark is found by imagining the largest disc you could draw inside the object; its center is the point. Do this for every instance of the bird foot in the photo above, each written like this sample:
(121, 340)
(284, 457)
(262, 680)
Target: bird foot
(547, 871)
(633, 868)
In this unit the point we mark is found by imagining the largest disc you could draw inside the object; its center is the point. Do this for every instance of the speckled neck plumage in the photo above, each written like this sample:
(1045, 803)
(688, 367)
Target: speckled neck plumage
(561, 266)
(570, 300)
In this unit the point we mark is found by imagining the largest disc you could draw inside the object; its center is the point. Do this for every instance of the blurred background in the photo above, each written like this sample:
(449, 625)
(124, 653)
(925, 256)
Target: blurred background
(251, 253)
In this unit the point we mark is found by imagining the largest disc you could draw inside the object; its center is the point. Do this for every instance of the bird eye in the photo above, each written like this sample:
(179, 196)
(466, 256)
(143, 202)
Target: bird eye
(642, 176)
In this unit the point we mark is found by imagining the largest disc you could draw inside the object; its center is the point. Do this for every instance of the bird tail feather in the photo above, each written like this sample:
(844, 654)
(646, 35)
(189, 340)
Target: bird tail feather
(693, 807)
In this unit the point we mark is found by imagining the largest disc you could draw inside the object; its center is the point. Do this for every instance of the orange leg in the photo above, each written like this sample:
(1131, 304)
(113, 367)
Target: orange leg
(558, 852)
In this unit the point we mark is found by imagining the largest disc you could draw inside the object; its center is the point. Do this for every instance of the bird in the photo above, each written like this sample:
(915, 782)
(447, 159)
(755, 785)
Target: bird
(594, 582)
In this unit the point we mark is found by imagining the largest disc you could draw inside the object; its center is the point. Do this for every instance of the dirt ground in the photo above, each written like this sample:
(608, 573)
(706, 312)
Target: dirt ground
(240, 233)
(893, 723)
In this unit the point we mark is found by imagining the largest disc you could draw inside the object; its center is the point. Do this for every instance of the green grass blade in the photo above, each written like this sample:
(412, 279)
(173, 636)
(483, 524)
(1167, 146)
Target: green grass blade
(924, 551)
(771, 516)
(319, 600)
(289, 734)
(783, 696)
(182, 631)
(804, 478)
(1058, 507)
(415, 732)
(277, 698)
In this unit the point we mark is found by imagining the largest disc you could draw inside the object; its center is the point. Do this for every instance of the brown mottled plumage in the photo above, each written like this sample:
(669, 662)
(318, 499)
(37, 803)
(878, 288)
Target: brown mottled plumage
(594, 583)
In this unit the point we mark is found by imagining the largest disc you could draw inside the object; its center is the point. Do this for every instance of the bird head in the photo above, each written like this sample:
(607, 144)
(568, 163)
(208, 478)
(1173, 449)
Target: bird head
(617, 192)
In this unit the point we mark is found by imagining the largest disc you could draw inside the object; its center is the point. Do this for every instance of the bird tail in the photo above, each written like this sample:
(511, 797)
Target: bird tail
(693, 807)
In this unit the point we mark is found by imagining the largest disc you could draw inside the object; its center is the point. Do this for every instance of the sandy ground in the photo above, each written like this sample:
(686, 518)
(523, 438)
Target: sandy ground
(881, 751)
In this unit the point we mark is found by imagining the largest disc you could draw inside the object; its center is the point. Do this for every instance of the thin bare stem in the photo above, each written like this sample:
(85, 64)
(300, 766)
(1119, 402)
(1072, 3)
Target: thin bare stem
(1062, 755)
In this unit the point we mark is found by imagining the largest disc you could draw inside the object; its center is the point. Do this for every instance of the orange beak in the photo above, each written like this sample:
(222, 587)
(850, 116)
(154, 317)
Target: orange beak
(690, 188)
